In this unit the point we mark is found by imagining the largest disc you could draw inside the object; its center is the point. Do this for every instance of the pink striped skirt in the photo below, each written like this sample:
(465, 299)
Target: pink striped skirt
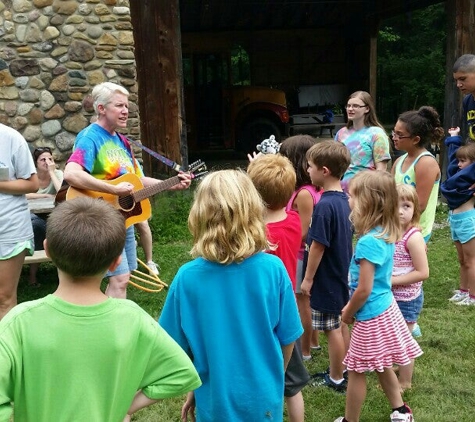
(380, 342)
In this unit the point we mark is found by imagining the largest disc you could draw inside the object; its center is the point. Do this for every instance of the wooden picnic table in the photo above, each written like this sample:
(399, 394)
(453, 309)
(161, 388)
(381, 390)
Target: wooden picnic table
(41, 205)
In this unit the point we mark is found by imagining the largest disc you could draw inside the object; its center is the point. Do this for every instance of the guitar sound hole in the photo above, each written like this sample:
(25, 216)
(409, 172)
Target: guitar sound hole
(126, 202)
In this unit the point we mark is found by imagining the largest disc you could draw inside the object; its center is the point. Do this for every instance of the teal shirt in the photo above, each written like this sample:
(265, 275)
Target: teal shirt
(380, 254)
(234, 319)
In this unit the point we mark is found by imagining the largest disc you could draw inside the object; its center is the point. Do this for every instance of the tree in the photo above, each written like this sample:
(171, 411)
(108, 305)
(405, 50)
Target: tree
(411, 62)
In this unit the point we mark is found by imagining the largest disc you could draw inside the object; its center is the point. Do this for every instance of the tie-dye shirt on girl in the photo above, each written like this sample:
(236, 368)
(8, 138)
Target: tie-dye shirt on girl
(367, 147)
(103, 155)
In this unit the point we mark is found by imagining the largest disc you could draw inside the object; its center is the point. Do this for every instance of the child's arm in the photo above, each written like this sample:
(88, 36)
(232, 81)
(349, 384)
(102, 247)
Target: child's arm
(287, 352)
(362, 292)
(139, 402)
(417, 249)
(453, 143)
(188, 408)
(304, 205)
(314, 257)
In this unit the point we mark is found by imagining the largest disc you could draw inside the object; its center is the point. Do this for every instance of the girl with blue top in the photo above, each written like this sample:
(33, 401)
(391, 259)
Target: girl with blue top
(232, 308)
(380, 337)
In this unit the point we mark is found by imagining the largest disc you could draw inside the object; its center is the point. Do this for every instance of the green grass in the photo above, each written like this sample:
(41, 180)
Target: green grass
(443, 384)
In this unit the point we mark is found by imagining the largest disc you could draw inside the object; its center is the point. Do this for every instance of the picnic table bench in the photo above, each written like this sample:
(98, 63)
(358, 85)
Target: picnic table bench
(37, 258)
(311, 122)
(39, 206)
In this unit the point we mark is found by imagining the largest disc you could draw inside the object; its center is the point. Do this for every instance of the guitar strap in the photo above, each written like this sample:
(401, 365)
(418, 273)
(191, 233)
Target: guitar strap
(163, 159)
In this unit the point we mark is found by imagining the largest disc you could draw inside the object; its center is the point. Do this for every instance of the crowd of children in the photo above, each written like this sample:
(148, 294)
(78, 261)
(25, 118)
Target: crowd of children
(273, 265)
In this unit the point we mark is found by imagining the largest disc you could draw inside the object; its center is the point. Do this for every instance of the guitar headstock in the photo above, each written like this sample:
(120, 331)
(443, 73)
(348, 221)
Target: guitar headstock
(197, 169)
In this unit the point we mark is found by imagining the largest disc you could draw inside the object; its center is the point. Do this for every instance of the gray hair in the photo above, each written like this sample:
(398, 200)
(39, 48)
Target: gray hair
(465, 64)
(102, 93)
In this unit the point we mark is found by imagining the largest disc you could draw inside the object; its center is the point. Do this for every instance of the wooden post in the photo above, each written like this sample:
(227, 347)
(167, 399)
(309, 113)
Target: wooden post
(373, 59)
(156, 27)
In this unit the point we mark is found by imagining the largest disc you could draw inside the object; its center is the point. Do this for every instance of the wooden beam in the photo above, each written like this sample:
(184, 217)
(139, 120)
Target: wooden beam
(158, 56)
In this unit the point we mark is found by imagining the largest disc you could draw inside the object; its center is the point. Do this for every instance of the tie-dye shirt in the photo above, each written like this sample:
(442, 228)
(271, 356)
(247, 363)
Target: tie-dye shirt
(103, 155)
(367, 147)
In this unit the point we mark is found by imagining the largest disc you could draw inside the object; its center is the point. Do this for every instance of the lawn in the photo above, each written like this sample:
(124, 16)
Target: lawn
(443, 385)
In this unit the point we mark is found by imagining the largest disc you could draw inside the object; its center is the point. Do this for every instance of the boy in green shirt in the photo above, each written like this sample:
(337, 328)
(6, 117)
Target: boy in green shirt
(78, 355)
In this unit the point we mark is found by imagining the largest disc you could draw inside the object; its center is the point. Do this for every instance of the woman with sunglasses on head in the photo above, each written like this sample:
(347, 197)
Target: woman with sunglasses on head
(364, 137)
(414, 131)
(50, 180)
(17, 177)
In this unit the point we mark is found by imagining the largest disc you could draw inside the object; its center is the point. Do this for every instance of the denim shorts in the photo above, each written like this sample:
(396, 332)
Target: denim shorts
(462, 226)
(411, 309)
(129, 255)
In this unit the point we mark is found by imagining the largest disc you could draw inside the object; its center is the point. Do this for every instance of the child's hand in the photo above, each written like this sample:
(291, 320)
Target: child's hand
(346, 317)
(306, 286)
(253, 156)
(454, 131)
(188, 408)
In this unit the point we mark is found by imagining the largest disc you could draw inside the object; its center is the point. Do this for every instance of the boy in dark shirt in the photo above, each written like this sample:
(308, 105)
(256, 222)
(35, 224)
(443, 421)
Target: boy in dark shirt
(328, 254)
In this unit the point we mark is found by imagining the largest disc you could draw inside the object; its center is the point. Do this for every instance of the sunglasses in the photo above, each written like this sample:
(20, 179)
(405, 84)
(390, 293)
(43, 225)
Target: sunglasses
(38, 151)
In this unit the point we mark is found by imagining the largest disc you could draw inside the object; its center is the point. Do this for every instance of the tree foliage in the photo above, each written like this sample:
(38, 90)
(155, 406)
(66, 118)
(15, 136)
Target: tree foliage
(411, 62)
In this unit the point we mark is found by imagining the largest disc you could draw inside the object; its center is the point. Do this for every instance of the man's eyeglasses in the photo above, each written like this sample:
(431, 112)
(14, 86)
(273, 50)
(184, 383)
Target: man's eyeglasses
(38, 151)
(355, 106)
(394, 135)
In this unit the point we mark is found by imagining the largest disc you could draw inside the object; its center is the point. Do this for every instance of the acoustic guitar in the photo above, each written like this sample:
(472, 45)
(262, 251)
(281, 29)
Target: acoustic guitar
(135, 207)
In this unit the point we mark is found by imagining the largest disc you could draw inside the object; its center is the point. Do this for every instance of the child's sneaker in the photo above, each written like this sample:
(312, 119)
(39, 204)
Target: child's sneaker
(468, 301)
(401, 417)
(457, 297)
(326, 381)
(416, 331)
(153, 268)
(340, 419)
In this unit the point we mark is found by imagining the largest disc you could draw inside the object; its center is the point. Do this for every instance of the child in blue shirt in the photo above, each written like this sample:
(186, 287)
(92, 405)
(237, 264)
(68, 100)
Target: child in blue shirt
(232, 308)
(380, 337)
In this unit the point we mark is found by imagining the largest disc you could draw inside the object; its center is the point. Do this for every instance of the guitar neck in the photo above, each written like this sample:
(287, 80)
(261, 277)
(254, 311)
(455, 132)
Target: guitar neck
(149, 191)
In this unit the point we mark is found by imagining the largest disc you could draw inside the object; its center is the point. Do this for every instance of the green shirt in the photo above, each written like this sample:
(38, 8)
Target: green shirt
(409, 178)
(64, 362)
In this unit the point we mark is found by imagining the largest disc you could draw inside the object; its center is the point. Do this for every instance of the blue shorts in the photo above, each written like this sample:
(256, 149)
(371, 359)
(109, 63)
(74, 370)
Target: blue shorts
(129, 255)
(462, 226)
(411, 309)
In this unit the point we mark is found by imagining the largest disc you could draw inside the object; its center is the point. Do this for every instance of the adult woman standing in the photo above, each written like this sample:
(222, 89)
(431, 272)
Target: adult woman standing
(99, 155)
(364, 137)
(50, 180)
(414, 131)
(17, 177)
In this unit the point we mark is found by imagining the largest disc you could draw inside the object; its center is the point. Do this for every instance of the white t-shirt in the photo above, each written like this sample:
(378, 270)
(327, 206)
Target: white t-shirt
(15, 223)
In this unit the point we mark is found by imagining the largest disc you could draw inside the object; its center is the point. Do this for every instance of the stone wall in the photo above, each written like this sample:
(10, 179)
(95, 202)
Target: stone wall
(52, 53)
